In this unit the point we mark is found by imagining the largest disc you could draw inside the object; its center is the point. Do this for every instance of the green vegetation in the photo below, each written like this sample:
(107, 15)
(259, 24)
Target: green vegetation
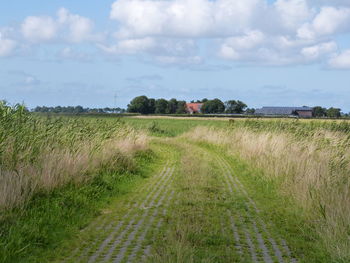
(35, 232)
(310, 165)
(163, 127)
(76, 110)
(200, 224)
(144, 105)
(233, 106)
(52, 169)
(172, 189)
(303, 162)
(213, 106)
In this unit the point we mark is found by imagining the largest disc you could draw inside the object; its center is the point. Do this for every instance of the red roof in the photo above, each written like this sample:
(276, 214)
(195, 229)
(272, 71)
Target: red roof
(194, 107)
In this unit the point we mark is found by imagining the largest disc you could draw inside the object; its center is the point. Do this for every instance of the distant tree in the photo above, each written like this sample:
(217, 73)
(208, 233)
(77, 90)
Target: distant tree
(139, 104)
(213, 106)
(192, 101)
(318, 111)
(181, 107)
(78, 109)
(151, 106)
(333, 112)
(250, 111)
(162, 106)
(57, 109)
(172, 106)
(233, 106)
(204, 100)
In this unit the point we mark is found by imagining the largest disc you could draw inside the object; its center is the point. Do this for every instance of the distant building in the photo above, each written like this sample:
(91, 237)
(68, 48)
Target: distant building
(304, 112)
(192, 108)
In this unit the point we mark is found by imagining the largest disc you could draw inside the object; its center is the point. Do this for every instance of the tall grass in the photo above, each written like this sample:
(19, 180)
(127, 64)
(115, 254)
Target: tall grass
(312, 160)
(40, 154)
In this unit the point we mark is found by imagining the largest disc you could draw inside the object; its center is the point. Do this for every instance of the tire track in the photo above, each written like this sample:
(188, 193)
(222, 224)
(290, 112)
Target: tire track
(99, 224)
(115, 234)
(236, 236)
(144, 219)
(251, 205)
(79, 254)
(234, 228)
(258, 236)
(142, 237)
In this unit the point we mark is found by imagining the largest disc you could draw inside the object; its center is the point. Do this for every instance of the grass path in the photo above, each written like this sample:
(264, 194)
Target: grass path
(194, 209)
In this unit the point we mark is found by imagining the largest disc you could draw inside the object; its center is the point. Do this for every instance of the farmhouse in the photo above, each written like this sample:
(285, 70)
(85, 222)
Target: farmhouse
(304, 112)
(192, 108)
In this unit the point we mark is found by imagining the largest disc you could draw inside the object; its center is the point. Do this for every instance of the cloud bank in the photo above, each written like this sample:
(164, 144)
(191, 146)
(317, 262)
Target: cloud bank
(253, 32)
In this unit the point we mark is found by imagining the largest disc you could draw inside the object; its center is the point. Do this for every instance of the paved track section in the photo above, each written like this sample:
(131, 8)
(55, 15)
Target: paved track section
(213, 204)
(250, 232)
(121, 238)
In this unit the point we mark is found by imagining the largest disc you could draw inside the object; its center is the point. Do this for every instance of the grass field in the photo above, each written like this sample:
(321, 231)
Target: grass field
(175, 190)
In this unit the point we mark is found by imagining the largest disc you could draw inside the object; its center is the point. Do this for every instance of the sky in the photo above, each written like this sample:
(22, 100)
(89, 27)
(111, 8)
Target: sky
(103, 53)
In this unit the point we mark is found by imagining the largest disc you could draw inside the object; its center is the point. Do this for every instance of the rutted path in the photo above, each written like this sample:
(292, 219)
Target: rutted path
(193, 207)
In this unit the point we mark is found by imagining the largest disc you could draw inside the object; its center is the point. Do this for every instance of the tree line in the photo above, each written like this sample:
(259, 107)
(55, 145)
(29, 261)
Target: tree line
(76, 110)
(331, 112)
(145, 105)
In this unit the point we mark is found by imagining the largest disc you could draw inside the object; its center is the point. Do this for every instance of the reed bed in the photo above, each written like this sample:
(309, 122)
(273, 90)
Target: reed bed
(43, 153)
(312, 160)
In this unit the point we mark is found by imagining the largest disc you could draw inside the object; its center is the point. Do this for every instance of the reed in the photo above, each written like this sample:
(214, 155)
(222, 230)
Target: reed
(43, 153)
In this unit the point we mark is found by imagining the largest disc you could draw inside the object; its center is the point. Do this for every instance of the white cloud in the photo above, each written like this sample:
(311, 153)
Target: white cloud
(79, 27)
(181, 31)
(7, 46)
(155, 46)
(232, 46)
(293, 13)
(65, 27)
(329, 21)
(284, 32)
(37, 29)
(341, 61)
(183, 18)
(178, 60)
(315, 52)
(279, 50)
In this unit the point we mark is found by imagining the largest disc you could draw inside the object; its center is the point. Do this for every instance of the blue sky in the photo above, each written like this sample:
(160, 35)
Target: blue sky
(266, 53)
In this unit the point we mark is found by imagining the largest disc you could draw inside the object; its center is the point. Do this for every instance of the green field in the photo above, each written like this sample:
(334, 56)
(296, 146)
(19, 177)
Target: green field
(93, 189)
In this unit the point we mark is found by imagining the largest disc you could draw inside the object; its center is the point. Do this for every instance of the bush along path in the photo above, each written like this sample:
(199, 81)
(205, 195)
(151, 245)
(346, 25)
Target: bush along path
(195, 209)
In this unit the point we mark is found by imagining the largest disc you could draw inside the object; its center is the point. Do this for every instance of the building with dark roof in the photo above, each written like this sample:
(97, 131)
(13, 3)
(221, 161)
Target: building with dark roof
(304, 112)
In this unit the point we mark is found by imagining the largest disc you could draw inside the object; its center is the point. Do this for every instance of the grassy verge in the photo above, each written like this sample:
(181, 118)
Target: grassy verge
(287, 218)
(35, 232)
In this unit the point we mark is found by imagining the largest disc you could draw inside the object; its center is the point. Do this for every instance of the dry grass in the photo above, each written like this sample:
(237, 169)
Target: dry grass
(314, 171)
(57, 165)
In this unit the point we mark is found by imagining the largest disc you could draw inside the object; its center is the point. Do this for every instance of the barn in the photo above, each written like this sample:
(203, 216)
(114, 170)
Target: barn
(192, 108)
(303, 112)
